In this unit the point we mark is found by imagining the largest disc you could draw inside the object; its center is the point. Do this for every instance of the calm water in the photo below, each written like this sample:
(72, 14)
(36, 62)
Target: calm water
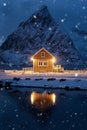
(69, 112)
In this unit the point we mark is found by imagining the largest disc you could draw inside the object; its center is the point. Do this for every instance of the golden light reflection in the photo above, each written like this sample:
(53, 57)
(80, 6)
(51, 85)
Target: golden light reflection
(54, 98)
(32, 98)
(42, 100)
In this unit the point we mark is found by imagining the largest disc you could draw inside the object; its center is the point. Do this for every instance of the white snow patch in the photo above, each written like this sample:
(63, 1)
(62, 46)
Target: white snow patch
(72, 79)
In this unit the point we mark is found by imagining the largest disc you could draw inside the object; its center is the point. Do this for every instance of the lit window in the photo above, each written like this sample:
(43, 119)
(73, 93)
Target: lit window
(42, 63)
(42, 54)
(45, 63)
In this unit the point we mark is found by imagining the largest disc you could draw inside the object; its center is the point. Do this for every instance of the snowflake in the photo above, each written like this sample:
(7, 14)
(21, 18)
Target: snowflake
(54, 1)
(70, 43)
(19, 98)
(85, 37)
(3, 14)
(70, 115)
(17, 52)
(35, 16)
(49, 28)
(62, 20)
(39, 114)
(4, 4)
(17, 115)
(35, 23)
(40, 1)
(75, 113)
(85, 17)
(76, 26)
(15, 110)
(83, 7)
(73, 126)
(67, 60)
(1, 89)
(10, 64)
(79, 23)
(85, 21)
(49, 43)
(66, 14)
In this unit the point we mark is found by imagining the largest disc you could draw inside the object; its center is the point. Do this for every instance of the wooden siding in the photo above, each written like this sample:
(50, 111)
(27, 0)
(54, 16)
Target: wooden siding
(39, 58)
(48, 68)
(47, 55)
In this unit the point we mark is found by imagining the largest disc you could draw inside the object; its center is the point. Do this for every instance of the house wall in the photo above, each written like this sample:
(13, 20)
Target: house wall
(47, 58)
(48, 68)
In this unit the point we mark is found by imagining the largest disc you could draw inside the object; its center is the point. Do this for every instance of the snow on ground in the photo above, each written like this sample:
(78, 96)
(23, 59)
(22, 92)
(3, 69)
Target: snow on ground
(54, 83)
(72, 79)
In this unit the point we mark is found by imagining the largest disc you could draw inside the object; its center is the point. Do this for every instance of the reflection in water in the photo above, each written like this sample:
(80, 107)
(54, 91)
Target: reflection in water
(43, 100)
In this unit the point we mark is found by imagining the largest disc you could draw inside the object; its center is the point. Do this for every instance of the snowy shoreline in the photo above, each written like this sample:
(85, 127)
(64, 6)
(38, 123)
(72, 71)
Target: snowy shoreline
(50, 80)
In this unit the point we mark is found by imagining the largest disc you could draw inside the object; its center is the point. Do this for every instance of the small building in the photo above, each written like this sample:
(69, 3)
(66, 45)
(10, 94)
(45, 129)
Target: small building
(43, 61)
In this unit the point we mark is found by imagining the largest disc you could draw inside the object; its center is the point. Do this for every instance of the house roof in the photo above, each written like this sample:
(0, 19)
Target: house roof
(41, 50)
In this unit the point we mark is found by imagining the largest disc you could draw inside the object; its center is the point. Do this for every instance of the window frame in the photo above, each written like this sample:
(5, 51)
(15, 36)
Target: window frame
(42, 54)
(42, 63)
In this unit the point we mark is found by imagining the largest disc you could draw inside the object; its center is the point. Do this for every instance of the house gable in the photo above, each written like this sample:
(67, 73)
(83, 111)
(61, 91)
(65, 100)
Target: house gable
(43, 54)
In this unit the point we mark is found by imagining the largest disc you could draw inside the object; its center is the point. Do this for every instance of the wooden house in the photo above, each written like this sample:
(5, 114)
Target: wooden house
(43, 61)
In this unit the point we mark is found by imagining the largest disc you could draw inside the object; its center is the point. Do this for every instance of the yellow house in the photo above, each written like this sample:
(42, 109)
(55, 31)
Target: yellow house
(43, 61)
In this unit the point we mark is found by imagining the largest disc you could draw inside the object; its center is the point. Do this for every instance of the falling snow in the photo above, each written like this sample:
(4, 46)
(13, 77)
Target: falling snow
(4, 4)
(49, 28)
(70, 110)
(62, 20)
(35, 16)
(83, 7)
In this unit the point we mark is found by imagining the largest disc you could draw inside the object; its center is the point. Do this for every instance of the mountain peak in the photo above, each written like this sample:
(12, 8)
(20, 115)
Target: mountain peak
(42, 10)
(41, 15)
(43, 7)
(40, 30)
(40, 19)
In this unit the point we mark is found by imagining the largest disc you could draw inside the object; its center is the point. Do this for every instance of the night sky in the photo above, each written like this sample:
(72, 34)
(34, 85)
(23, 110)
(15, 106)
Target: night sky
(68, 13)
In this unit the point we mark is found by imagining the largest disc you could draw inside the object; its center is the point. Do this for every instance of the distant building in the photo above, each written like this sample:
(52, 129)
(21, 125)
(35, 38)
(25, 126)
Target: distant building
(43, 61)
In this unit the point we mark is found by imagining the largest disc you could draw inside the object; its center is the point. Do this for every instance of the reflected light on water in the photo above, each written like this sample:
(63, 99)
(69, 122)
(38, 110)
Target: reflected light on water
(42, 100)
(32, 98)
(54, 98)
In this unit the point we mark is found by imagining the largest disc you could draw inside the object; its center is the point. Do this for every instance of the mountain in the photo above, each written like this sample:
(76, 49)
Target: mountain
(40, 30)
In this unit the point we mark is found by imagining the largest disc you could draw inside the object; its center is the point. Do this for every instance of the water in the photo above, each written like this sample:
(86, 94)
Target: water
(69, 111)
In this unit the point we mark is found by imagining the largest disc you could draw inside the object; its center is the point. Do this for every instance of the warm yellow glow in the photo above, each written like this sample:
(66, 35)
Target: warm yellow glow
(53, 98)
(32, 58)
(42, 100)
(32, 98)
(54, 60)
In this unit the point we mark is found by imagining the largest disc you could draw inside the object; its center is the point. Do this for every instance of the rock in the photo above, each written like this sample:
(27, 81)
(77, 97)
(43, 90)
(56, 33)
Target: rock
(40, 30)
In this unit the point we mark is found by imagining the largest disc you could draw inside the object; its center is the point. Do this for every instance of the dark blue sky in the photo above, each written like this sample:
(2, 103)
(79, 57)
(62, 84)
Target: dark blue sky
(68, 13)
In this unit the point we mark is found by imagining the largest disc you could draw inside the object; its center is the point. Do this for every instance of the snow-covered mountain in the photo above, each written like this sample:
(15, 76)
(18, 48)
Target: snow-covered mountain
(40, 30)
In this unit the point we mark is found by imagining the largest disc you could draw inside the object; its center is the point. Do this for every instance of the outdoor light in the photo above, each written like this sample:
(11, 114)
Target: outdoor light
(53, 60)
(32, 59)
